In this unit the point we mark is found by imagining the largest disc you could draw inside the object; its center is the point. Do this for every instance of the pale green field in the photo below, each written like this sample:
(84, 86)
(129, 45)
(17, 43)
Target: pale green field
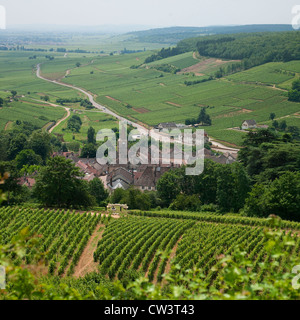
(37, 114)
(150, 96)
(155, 99)
(95, 119)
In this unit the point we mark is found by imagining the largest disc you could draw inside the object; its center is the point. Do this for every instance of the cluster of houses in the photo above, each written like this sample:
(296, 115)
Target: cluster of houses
(141, 176)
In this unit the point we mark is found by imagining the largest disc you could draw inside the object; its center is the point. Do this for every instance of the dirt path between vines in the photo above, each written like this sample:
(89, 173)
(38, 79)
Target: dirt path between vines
(61, 120)
(86, 262)
(172, 256)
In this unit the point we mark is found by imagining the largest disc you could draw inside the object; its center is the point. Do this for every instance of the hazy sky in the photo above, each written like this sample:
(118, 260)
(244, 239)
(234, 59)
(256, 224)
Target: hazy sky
(149, 12)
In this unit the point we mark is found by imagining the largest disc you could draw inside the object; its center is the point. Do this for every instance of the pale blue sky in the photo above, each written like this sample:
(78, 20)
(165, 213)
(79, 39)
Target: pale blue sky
(149, 12)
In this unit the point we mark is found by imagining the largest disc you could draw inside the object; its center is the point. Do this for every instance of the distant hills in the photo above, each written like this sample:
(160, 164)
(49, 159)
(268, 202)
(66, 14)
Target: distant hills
(175, 34)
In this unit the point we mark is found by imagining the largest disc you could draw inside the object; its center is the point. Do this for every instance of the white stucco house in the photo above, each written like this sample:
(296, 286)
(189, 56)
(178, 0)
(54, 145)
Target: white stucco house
(249, 124)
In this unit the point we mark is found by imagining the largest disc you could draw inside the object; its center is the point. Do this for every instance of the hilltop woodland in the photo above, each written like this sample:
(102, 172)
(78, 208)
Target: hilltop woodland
(253, 49)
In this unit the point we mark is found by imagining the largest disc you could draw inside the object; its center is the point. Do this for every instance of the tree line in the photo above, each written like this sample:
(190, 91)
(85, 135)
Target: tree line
(265, 180)
(252, 49)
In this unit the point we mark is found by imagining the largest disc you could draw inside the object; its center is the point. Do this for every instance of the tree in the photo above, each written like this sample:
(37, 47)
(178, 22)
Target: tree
(136, 199)
(91, 135)
(45, 98)
(280, 197)
(117, 195)
(64, 148)
(97, 190)
(204, 118)
(296, 85)
(272, 116)
(275, 124)
(74, 146)
(14, 93)
(11, 186)
(78, 64)
(294, 131)
(59, 184)
(74, 123)
(168, 186)
(283, 125)
(16, 145)
(39, 142)
(260, 136)
(294, 95)
(1, 102)
(28, 157)
(184, 202)
(88, 151)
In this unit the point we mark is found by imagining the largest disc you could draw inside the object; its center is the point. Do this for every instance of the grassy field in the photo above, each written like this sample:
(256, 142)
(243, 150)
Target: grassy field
(95, 119)
(18, 73)
(147, 95)
(37, 114)
(180, 61)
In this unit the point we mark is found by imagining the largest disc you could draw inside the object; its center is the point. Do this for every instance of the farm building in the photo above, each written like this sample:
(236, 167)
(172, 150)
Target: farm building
(249, 124)
(166, 125)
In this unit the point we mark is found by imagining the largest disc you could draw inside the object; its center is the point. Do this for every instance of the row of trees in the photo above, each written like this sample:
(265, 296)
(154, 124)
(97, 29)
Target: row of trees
(252, 48)
(269, 47)
(212, 187)
(264, 181)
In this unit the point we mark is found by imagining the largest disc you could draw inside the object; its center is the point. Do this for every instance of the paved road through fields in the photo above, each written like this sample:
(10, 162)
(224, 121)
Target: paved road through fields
(143, 130)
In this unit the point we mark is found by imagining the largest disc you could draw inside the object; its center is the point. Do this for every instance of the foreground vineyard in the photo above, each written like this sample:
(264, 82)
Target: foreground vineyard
(215, 218)
(146, 243)
(63, 235)
(205, 244)
(137, 245)
(145, 246)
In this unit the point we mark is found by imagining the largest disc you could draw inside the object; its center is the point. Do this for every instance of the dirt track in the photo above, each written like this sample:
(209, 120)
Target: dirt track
(86, 262)
(61, 120)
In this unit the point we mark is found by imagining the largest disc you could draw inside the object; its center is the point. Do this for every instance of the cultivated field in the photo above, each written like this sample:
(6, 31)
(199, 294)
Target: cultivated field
(142, 243)
(164, 96)
(144, 94)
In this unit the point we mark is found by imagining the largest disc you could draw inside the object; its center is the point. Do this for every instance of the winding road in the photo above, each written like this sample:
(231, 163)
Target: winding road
(143, 130)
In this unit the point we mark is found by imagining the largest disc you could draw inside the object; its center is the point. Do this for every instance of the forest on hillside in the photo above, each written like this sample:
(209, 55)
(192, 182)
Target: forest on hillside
(252, 48)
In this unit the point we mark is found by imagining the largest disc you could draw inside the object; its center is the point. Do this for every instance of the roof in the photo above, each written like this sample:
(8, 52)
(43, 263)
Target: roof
(168, 125)
(250, 122)
(120, 184)
(147, 178)
(81, 165)
(26, 181)
(120, 178)
(89, 177)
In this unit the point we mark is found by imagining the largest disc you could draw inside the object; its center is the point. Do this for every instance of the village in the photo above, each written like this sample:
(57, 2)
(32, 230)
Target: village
(140, 176)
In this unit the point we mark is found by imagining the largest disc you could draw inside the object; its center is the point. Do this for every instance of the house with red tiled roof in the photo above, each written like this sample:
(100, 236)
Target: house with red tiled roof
(27, 181)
